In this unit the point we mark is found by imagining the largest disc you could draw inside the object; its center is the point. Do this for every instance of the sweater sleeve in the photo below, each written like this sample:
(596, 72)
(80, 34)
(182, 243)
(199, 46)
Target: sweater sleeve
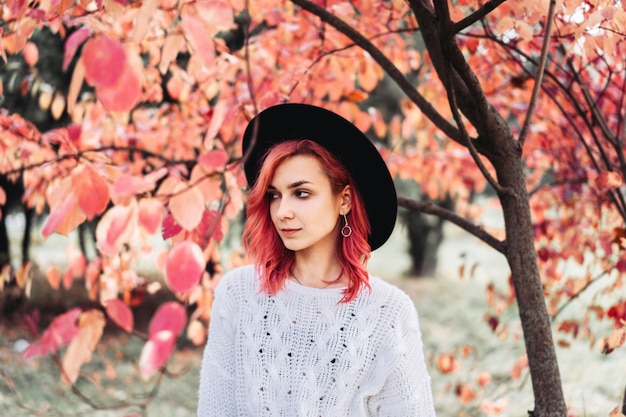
(216, 396)
(406, 391)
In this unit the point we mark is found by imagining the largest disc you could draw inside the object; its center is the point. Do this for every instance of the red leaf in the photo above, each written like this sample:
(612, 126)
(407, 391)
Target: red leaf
(210, 227)
(155, 353)
(105, 61)
(91, 190)
(121, 314)
(185, 265)
(170, 227)
(170, 316)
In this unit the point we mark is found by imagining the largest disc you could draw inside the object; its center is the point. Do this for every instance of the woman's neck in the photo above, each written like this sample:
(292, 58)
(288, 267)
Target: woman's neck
(317, 272)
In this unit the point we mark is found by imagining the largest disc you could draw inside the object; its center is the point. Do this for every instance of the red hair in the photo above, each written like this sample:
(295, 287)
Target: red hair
(273, 261)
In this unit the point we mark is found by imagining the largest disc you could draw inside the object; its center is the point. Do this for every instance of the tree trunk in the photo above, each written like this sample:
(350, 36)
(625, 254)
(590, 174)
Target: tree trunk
(522, 259)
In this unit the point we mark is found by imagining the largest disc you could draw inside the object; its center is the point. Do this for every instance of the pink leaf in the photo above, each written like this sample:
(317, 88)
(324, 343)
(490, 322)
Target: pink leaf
(170, 316)
(218, 15)
(220, 111)
(3, 197)
(215, 159)
(155, 353)
(185, 265)
(123, 95)
(150, 214)
(105, 61)
(187, 206)
(199, 39)
(142, 20)
(60, 332)
(91, 189)
(73, 42)
(121, 314)
(115, 228)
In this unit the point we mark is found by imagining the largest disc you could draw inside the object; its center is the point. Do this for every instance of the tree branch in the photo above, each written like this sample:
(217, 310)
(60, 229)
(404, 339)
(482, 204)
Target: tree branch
(430, 208)
(483, 11)
(540, 70)
(386, 64)
(448, 46)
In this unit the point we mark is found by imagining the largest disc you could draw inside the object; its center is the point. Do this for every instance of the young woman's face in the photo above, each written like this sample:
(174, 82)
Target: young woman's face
(303, 207)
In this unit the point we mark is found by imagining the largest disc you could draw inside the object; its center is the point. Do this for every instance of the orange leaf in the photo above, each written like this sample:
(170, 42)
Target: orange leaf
(105, 60)
(31, 54)
(447, 363)
(185, 265)
(90, 327)
(78, 76)
(171, 47)
(91, 190)
(53, 277)
(65, 215)
(120, 314)
(187, 206)
(196, 332)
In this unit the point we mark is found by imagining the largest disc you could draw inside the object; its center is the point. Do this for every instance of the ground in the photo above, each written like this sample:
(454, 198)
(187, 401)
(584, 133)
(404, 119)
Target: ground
(452, 311)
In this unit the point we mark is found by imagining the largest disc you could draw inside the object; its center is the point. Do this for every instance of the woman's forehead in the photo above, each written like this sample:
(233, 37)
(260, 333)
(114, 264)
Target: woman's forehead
(299, 168)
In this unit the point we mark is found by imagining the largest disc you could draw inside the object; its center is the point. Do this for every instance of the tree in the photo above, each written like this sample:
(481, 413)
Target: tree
(489, 87)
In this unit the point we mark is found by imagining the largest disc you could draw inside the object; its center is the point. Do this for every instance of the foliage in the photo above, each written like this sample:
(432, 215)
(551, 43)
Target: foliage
(160, 91)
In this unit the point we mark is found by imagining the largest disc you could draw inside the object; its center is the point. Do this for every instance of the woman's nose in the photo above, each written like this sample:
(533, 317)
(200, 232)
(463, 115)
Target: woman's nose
(284, 209)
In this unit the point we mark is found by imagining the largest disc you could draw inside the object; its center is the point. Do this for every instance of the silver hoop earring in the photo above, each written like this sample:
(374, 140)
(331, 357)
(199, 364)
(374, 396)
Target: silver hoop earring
(346, 230)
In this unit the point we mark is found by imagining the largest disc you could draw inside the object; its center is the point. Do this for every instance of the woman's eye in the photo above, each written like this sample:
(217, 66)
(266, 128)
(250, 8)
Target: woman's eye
(272, 196)
(302, 194)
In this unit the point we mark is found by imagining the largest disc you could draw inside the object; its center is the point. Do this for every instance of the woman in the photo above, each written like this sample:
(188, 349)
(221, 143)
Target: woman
(305, 331)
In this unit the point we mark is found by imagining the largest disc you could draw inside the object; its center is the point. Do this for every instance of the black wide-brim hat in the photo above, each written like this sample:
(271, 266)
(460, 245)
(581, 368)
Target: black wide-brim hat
(344, 140)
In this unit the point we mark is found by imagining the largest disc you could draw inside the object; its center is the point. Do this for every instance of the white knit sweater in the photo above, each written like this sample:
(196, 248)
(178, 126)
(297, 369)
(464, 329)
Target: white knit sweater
(302, 353)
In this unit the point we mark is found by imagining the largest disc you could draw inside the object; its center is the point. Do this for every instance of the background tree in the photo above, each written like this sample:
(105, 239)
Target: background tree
(156, 119)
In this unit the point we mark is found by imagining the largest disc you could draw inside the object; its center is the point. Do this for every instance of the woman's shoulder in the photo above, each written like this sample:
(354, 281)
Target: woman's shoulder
(392, 297)
(237, 280)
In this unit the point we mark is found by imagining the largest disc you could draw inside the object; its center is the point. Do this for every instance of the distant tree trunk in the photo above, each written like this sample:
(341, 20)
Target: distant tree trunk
(425, 234)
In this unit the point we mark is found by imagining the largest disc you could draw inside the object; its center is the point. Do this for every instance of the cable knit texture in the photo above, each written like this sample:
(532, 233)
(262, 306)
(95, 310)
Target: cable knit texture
(301, 353)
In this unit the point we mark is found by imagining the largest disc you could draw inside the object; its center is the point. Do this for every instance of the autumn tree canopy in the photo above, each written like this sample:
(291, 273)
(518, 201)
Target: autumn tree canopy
(525, 98)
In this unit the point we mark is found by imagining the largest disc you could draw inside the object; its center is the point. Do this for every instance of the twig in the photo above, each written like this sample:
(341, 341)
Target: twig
(483, 11)
(540, 70)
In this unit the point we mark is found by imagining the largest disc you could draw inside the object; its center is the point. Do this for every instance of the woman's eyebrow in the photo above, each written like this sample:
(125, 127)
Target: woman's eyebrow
(292, 185)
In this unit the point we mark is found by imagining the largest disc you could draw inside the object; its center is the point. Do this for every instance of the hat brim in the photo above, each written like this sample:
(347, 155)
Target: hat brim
(344, 140)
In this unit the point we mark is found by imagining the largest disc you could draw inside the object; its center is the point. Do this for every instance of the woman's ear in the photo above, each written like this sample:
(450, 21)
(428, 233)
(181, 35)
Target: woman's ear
(346, 200)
